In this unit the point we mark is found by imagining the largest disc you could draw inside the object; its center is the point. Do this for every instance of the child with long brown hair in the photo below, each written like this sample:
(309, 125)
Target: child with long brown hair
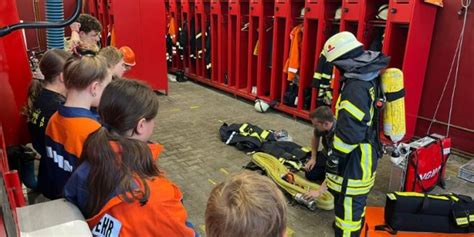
(44, 98)
(85, 79)
(118, 187)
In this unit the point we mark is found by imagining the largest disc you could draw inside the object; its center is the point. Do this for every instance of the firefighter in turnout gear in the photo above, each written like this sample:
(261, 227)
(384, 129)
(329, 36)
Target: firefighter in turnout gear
(352, 160)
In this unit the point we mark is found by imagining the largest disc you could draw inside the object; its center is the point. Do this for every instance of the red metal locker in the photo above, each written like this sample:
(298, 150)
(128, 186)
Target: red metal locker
(175, 12)
(261, 33)
(239, 45)
(407, 40)
(287, 16)
(219, 18)
(187, 13)
(202, 17)
(148, 45)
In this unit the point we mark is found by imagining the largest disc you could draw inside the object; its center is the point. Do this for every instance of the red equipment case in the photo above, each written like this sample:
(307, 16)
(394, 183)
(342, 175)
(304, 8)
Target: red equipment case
(427, 163)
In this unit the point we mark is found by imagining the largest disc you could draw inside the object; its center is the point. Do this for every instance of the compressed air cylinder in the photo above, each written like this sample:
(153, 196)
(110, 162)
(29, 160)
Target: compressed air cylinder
(394, 125)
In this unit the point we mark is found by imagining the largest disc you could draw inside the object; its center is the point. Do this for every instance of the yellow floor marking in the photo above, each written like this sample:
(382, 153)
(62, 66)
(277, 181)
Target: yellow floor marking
(212, 181)
(224, 171)
(194, 107)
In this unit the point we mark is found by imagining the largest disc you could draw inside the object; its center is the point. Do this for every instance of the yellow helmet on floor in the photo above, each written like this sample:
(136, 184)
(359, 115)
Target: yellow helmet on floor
(339, 44)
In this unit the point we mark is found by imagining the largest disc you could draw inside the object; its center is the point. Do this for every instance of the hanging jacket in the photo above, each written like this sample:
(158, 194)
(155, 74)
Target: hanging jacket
(192, 40)
(292, 64)
(169, 50)
(207, 56)
(182, 40)
(255, 49)
(322, 81)
(173, 30)
(245, 137)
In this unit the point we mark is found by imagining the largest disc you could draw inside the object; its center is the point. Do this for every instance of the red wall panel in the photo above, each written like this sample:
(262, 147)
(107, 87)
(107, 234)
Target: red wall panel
(15, 77)
(141, 25)
(447, 28)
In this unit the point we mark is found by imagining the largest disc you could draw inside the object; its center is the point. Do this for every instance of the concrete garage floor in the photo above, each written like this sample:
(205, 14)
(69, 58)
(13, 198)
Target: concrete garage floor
(196, 159)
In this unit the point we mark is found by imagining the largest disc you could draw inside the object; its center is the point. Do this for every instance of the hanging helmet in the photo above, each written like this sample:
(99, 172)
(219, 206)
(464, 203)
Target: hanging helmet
(382, 12)
(339, 44)
(261, 106)
(338, 14)
(128, 55)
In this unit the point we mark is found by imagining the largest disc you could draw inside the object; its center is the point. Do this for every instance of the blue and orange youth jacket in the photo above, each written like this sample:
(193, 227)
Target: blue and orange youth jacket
(162, 215)
(76, 191)
(66, 133)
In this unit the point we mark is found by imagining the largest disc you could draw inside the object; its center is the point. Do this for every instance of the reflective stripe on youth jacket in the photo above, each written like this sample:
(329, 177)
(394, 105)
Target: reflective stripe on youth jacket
(66, 133)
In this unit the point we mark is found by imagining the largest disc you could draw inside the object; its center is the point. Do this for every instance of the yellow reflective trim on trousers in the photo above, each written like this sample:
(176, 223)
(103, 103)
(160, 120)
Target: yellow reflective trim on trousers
(264, 134)
(243, 127)
(349, 190)
(348, 225)
(352, 109)
(348, 208)
(256, 135)
(342, 146)
(366, 161)
(352, 182)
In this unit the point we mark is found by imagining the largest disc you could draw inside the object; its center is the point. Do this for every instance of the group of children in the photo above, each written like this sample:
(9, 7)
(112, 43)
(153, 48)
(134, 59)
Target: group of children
(92, 129)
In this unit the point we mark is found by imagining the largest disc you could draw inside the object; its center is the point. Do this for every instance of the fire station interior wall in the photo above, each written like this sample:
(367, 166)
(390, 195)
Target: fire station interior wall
(445, 36)
(447, 28)
(36, 38)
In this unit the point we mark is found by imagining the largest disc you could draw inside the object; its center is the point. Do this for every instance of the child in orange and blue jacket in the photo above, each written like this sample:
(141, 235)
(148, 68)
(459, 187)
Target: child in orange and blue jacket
(44, 98)
(85, 79)
(118, 187)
